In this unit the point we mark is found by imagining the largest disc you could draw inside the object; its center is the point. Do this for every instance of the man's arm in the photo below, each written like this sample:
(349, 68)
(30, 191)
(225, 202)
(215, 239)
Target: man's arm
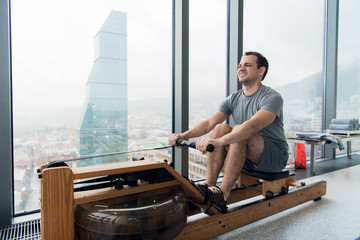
(249, 128)
(201, 128)
(240, 132)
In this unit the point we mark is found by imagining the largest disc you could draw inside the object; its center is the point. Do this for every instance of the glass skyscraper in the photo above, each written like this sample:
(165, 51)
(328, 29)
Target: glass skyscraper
(103, 126)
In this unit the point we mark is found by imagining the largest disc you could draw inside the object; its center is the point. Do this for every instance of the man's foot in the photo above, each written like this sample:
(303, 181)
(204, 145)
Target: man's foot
(202, 187)
(216, 197)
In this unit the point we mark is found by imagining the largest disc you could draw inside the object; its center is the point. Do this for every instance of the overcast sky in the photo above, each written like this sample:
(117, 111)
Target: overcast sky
(53, 48)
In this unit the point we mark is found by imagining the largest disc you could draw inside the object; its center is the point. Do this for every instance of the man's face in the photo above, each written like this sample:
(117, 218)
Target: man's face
(248, 70)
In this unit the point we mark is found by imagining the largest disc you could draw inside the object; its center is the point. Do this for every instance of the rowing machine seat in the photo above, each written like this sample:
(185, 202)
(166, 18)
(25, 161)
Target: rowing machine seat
(265, 175)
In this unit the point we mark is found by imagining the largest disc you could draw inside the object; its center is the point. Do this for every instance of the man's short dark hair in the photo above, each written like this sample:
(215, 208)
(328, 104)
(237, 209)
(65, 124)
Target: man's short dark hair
(261, 61)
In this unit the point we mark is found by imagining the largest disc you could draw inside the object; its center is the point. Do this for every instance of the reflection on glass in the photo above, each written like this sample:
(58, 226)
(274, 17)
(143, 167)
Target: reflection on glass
(348, 79)
(89, 85)
(207, 70)
(290, 35)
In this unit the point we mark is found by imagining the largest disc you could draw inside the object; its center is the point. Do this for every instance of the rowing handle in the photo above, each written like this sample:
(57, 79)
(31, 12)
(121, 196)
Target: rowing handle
(179, 142)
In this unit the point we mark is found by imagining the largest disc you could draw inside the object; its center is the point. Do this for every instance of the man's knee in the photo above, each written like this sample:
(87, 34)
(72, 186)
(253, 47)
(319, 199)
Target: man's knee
(220, 130)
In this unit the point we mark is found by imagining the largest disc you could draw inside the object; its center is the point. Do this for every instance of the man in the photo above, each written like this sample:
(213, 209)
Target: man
(257, 141)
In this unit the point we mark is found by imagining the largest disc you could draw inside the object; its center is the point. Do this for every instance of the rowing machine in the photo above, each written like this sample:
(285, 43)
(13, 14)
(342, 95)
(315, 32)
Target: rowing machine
(58, 197)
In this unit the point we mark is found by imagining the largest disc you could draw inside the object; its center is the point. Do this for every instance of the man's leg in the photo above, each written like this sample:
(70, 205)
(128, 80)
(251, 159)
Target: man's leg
(251, 149)
(215, 160)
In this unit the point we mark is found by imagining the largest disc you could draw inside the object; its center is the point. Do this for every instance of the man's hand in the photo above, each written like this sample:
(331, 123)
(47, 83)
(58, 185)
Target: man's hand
(173, 138)
(203, 143)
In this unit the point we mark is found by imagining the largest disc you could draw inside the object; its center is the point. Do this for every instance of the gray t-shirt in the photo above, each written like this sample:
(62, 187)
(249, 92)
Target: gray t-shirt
(242, 108)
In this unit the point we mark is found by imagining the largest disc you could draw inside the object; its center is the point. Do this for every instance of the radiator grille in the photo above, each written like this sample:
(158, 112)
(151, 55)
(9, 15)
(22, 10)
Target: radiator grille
(21, 231)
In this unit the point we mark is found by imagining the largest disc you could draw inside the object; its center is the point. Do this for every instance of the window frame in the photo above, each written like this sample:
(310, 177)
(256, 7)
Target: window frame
(6, 145)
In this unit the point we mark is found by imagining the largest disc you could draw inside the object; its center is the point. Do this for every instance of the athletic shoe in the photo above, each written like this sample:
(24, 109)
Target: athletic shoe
(216, 198)
(202, 187)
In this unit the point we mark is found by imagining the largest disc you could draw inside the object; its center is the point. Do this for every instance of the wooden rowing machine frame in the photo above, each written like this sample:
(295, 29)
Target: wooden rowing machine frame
(58, 198)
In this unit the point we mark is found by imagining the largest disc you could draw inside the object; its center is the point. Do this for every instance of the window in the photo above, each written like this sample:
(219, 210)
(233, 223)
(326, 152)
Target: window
(348, 78)
(207, 66)
(89, 79)
(290, 35)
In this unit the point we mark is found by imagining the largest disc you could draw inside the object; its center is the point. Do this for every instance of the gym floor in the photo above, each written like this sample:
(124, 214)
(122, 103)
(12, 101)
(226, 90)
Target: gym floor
(335, 216)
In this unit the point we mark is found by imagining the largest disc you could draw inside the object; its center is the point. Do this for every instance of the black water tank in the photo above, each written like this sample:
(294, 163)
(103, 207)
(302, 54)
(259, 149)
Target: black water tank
(157, 214)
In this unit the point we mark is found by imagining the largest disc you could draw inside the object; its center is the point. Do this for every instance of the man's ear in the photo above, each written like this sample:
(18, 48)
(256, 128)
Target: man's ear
(262, 71)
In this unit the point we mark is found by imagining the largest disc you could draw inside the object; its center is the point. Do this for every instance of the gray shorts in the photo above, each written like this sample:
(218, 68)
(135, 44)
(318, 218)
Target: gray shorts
(274, 158)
